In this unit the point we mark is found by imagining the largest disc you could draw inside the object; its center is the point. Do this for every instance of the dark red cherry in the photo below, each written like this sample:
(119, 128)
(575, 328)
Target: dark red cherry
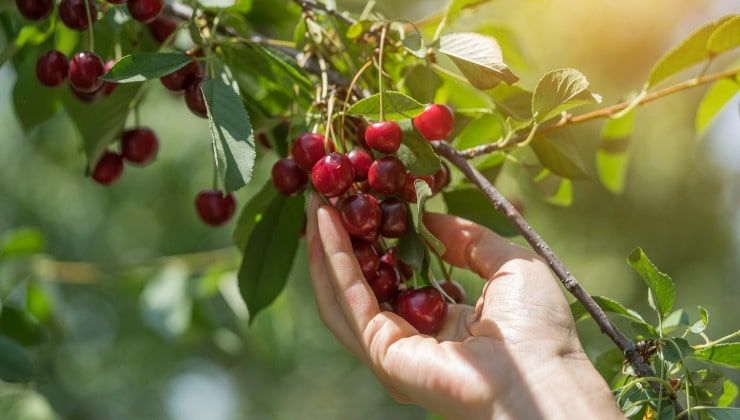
(194, 98)
(385, 282)
(177, 80)
(52, 68)
(162, 27)
(367, 257)
(288, 177)
(308, 148)
(360, 214)
(408, 192)
(383, 136)
(139, 145)
(85, 70)
(332, 175)
(215, 208)
(370, 237)
(109, 87)
(386, 175)
(34, 9)
(395, 218)
(441, 178)
(145, 10)
(453, 290)
(108, 169)
(424, 308)
(361, 161)
(435, 123)
(116, 1)
(86, 97)
(74, 16)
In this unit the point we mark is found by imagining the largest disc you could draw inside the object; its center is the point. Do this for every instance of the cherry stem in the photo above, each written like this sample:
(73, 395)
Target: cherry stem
(383, 33)
(91, 36)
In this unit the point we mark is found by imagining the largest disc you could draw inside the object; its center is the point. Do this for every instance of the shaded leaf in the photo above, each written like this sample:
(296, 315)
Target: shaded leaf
(726, 36)
(15, 362)
(609, 363)
(20, 326)
(557, 153)
(411, 250)
(287, 64)
(139, 67)
(717, 96)
(252, 213)
(471, 204)
(556, 190)
(397, 107)
(676, 349)
(661, 286)
(513, 101)
(724, 413)
(421, 82)
(559, 91)
(613, 154)
(486, 129)
(33, 102)
(478, 57)
(608, 305)
(727, 354)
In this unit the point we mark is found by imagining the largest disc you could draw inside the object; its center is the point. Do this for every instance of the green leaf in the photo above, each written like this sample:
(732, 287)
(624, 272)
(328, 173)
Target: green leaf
(608, 305)
(397, 107)
(416, 152)
(486, 129)
(139, 67)
(252, 212)
(613, 154)
(729, 393)
(421, 82)
(661, 286)
(423, 192)
(478, 57)
(700, 325)
(557, 153)
(513, 101)
(727, 354)
(676, 319)
(457, 6)
(269, 253)
(231, 132)
(559, 91)
(690, 51)
(725, 413)
(676, 349)
(471, 204)
(609, 363)
(556, 190)
(411, 250)
(15, 362)
(717, 96)
(726, 36)
(644, 329)
(286, 64)
(33, 102)
(22, 241)
(20, 326)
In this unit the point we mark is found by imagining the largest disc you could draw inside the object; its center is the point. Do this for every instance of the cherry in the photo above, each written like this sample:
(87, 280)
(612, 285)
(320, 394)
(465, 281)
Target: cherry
(333, 174)
(109, 87)
(34, 9)
(408, 191)
(116, 1)
(424, 308)
(139, 145)
(385, 282)
(52, 68)
(386, 175)
(370, 237)
(74, 16)
(194, 97)
(453, 290)
(262, 139)
(391, 257)
(178, 79)
(360, 214)
(85, 70)
(288, 177)
(145, 10)
(435, 123)
(215, 208)
(395, 218)
(361, 161)
(383, 136)
(86, 97)
(308, 148)
(441, 178)
(367, 257)
(108, 168)
(162, 27)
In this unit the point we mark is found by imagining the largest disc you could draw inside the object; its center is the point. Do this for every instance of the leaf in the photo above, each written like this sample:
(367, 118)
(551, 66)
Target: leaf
(20, 326)
(33, 102)
(661, 286)
(471, 204)
(286, 64)
(457, 6)
(724, 413)
(411, 250)
(559, 91)
(231, 132)
(269, 254)
(676, 349)
(478, 57)
(423, 192)
(608, 305)
(557, 153)
(513, 101)
(417, 153)
(421, 82)
(609, 363)
(397, 107)
(727, 354)
(700, 325)
(20, 242)
(690, 51)
(139, 67)
(613, 154)
(726, 36)
(676, 319)
(15, 362)
(717, 96)
(557, 190)
(485, 129)
(252, 212)
(729, 393)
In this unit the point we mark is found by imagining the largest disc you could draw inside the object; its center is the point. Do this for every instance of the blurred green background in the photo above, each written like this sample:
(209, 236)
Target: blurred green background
(140, 335)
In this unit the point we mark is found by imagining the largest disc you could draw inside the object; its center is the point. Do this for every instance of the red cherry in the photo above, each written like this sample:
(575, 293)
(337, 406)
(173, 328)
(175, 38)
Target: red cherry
(435, 123)
(361, 161)
(108, 168)
(177, 80)
(386, 175)
(139, 145)
(424, 308)
(441, 178)
(162, 27)
(453, 290)
(86, 97)
(333, 175)
(383, 136)
(52, 68)
(385, 282)
(288, 177)
(74, 16)
(408, 191)
(34, 9)
(85, 70)
(308, 148)
(109, 87)
(360, 214)
(370, 238)
(214, 207)
(116, 1)
(395, 218)
(194, 98)
(367, 257)
(145, 10)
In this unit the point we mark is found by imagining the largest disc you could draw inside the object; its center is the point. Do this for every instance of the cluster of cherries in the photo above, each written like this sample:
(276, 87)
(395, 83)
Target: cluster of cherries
(371, 187)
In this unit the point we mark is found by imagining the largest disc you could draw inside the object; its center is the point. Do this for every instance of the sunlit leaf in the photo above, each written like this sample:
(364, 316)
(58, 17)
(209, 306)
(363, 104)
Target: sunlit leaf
(21, 241)
(718, 95)
(416, 153)
(613, 154)
(729, 393)
(478, 57)
(139, 67)
(485, 129)
(559, 91)
(726, 354)
(397, 106)
(661, 286)
(726, 36)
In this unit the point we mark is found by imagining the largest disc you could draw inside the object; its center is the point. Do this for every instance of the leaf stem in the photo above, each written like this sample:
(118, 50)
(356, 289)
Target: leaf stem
(383, 33)
(719, 340)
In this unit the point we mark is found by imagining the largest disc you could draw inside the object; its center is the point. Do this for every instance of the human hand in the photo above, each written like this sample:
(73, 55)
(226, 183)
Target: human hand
(515, 355)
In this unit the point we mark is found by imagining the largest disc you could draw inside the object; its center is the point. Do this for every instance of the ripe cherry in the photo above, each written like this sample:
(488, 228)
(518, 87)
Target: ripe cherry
(361, 161)
(360, 214)
(194, 98)
(86, 97)
(34, 9)
(435, 123)
(116, 1)
(85, 70)
(386, 175)
(453, 290)
(74, 16)
(139, 145)
(108, 169)
(441, 178)
(109, 87)
(424, 308)
(395, 218)
(370, 237)
(214, 207)
(385, 282)
(308, 148)
(288, 177)
(367, 257)
(162, 27)
(408, 191)
(52, 68)
(145, 10)
(383, 136)
(333, 174)
(177, 80)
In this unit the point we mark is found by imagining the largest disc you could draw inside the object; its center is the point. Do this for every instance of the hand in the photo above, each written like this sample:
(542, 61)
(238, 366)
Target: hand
(515, 355)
